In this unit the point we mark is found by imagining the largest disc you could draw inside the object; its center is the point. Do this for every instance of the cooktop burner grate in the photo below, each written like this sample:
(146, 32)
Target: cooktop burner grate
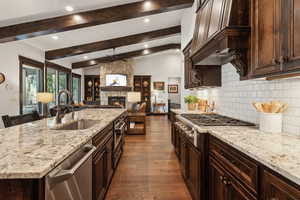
(214, 120)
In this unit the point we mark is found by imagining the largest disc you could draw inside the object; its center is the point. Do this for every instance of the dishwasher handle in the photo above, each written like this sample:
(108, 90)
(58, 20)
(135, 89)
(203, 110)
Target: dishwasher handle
(63, 174)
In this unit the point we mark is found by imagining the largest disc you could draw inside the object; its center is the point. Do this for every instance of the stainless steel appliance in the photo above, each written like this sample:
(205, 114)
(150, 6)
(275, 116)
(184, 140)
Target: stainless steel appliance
(119, 131)
(187, 124)
(72, 179)
(214, 120)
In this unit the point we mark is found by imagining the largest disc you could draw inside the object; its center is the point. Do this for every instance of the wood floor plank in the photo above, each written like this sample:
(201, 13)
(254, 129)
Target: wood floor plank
(149, 169)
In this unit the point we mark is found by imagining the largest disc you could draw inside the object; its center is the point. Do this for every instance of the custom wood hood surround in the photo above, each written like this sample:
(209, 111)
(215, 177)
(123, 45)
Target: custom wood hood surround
(222, 34)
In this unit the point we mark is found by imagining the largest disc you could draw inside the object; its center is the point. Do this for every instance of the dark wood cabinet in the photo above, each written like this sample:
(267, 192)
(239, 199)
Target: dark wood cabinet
(99, 175)
(275, 38)
(91, 88)
(110, 167)
(188, 66)
(223, 186)
(193, 172)
(143, 84)
(184, 157)
(274, 188)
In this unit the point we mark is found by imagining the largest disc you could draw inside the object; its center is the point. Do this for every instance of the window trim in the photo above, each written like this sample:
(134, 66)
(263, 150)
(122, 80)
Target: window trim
(33, 63)
(80, 90)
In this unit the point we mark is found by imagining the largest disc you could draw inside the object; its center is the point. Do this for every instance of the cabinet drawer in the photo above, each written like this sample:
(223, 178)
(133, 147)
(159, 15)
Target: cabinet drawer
(241, 167)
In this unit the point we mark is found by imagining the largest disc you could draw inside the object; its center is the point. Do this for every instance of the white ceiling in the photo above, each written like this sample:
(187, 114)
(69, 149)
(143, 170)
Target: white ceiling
(98, 54)
(18, 11)
(107, 31)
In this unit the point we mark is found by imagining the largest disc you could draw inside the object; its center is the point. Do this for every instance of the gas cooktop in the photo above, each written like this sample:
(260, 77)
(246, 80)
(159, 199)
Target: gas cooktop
(214, 120)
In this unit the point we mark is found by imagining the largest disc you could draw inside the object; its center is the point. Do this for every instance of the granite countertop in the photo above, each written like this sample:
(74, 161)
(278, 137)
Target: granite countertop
(32, 150)
(279, 152)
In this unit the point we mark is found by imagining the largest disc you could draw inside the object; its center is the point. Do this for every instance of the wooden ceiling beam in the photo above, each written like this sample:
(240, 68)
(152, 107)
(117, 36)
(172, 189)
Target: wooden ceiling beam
(143, 52)
(113, 43)
(89, 18)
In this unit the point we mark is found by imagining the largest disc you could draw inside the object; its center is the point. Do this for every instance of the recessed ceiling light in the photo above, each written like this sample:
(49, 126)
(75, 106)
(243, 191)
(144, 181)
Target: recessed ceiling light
(85, 57)
(93, 62)
(178, 50)
(55, 37)
(69, 8)
(146, 20)
(146, 45)
(147, 4)
(77, 17)
(146, 51)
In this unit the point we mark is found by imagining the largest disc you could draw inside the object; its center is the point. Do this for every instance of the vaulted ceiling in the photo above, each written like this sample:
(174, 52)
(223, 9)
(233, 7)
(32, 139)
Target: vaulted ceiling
(15, 12)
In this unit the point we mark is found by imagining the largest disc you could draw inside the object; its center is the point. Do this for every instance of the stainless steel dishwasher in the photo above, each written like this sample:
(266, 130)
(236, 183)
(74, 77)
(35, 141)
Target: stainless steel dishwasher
(72, 180)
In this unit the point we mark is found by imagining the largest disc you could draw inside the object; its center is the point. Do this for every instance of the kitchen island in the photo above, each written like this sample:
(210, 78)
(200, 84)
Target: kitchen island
(30, 151)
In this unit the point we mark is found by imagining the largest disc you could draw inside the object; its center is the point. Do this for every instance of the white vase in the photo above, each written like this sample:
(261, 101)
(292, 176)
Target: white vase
(271, 122)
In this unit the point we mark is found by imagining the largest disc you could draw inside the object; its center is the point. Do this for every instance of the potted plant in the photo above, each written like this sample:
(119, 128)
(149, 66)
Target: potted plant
(191, 101)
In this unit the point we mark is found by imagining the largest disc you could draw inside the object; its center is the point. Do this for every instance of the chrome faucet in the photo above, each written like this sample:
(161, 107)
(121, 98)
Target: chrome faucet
(60, 115)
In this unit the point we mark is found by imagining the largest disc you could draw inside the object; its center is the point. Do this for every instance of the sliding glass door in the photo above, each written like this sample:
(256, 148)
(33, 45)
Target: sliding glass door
(76, 88)
(31, 83)
(63, 85)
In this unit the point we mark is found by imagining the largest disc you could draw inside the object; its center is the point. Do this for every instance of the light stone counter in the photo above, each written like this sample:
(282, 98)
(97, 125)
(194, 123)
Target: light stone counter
(32, 150)
(279, 152)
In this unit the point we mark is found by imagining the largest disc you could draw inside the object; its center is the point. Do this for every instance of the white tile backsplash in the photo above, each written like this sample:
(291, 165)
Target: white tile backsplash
(235, 97)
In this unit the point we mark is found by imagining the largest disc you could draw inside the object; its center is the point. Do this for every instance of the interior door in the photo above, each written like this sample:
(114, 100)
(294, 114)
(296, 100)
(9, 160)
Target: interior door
(266, 35)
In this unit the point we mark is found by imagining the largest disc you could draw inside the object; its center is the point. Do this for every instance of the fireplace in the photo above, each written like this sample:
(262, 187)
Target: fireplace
(117, 101)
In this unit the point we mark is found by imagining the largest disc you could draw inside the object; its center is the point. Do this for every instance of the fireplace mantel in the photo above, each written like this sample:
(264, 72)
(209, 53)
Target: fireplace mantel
(116, 89)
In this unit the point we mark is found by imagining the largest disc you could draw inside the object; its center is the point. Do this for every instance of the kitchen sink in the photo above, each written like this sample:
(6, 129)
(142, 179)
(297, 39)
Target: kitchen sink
(77, 125)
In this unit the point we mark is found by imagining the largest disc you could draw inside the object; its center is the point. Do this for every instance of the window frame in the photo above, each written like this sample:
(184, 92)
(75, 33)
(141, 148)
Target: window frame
(32, 63)
(58, 69)
(79, 92)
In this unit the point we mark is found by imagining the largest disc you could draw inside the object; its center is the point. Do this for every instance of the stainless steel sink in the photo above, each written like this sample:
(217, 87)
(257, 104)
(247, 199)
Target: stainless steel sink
(77, 125)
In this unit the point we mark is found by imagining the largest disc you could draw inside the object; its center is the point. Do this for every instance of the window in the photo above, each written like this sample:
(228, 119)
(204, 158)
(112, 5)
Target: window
(52, 84)
(76, 88)
(31, 82)
(58, 78)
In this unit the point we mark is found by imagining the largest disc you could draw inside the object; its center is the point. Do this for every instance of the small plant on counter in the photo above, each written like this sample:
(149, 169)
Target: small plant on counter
(191, 101)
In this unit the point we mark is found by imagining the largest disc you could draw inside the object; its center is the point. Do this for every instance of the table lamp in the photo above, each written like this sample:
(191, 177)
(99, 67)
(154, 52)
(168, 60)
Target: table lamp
(133, 98)
(45, 98)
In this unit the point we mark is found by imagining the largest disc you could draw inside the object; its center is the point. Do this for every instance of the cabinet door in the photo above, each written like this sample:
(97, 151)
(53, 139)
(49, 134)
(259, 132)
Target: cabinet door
(266, 34)
(193, 172)
(99, 175)
(293, 15)
(217, 190)
(277, 189)
(183, 156)
(109, 150)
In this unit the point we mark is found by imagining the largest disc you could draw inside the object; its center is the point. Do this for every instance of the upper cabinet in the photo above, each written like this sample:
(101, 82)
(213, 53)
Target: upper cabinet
(275, 41)
(222, 34)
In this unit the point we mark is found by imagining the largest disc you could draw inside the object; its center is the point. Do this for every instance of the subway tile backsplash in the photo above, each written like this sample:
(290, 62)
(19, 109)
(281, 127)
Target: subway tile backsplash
(235, 97)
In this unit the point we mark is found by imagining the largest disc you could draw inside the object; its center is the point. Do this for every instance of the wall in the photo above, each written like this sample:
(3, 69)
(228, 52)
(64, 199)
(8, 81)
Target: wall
(161, 67)
(235, 97)
(9, 90)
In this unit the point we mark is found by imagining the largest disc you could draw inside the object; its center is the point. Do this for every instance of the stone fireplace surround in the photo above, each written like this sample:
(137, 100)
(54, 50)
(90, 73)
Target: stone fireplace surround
(117, 67)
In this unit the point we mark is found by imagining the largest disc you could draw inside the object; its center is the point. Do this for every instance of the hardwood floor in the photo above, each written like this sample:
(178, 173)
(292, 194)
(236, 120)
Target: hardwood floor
(149, 169)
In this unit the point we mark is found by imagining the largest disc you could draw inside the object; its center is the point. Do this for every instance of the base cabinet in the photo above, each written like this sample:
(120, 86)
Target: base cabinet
(277, 189)
(221, 172)
(99, 175)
